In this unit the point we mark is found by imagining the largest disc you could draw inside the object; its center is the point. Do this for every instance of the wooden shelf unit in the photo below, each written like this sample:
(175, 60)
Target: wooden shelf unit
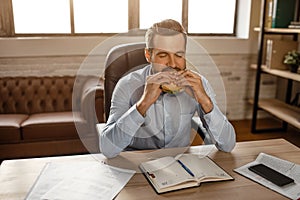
(279, 30)
(280, 109)
(280, 73)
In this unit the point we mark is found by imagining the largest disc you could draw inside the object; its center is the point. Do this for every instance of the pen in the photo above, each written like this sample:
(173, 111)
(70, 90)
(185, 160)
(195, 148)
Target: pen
(186, 169)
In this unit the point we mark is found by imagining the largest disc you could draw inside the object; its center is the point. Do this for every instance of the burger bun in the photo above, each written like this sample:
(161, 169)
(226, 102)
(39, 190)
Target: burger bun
(170, 88)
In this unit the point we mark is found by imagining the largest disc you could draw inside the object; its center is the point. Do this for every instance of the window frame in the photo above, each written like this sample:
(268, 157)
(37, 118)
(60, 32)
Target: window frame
(7, 22)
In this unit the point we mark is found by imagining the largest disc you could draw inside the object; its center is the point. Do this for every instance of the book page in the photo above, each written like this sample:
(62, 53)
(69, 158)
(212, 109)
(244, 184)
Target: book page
(166, 172)
(80, 180)
(291, 169)
(203, 167)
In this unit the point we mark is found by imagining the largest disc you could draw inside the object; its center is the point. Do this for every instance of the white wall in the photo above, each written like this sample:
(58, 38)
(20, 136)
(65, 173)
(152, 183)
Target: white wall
(65, 56)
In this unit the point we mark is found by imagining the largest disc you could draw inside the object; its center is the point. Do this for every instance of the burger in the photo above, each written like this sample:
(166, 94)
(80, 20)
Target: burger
(170, 88)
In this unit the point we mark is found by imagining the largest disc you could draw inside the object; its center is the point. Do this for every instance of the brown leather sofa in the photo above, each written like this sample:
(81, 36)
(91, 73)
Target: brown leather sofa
(40, 116)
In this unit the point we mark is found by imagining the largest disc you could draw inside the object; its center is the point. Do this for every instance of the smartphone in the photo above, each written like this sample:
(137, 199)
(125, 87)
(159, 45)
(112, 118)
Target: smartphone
(271, 175)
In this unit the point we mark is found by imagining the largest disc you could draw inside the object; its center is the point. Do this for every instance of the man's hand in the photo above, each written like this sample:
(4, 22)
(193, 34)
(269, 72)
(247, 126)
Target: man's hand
(152, 89)
(192, 83)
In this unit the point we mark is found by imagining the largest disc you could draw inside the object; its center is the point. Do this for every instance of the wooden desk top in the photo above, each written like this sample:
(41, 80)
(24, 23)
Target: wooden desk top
(17, 176)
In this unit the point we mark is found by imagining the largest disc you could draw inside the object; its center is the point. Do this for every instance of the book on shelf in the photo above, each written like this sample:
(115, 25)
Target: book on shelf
(283, 13)
(294, 24)
(269, 13)
(275, 52)
(183, 171)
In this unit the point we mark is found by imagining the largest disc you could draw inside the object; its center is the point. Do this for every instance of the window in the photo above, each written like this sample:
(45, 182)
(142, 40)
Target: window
(213, 16)
(88, 13)
(77, 17)
(157, 10)
(46, 16)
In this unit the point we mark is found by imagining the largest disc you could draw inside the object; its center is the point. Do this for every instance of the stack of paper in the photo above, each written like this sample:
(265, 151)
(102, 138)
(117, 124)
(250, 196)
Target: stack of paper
(79, 180)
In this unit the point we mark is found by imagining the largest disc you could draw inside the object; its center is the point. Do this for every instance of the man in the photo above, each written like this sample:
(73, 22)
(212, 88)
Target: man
(143, 116)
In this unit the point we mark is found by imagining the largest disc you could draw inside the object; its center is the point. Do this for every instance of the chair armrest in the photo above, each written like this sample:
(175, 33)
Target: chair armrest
(92, 104)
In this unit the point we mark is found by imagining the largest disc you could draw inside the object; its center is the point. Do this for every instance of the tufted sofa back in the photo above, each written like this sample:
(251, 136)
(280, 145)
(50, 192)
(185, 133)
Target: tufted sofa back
(28, 95)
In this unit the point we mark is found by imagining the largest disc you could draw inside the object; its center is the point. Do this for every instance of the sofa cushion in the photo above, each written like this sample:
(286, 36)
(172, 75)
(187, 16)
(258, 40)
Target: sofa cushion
(45, 126)
(10, 127)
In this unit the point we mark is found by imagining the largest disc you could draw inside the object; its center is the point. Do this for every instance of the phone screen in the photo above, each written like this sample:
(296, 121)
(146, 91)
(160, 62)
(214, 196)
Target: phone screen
(271, 175)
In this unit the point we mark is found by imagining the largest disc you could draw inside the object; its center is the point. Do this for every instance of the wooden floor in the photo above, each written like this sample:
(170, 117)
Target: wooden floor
(243, 131)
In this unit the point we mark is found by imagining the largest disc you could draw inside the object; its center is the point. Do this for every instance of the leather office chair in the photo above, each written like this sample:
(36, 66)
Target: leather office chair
(121, 60)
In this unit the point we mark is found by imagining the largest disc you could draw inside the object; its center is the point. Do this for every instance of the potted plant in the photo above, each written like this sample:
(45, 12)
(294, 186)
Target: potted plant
(292, 58)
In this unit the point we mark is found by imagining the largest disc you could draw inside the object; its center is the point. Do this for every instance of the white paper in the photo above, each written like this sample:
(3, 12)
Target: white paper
(80, 180)
(287, 168)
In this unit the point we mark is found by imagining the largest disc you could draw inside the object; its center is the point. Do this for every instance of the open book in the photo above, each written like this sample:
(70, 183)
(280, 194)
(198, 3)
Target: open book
(185, 170)
(285, 167)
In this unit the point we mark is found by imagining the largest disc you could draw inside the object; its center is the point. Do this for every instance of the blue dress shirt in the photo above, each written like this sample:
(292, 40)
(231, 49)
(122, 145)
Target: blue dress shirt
(167, 122)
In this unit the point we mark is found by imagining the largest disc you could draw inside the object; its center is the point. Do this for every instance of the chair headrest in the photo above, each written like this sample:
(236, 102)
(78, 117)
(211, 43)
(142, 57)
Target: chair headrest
(119, 61)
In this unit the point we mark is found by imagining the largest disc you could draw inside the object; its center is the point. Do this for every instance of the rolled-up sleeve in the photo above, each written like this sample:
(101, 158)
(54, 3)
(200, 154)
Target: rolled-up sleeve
(117, 135)
(220, 129)
(216, 125)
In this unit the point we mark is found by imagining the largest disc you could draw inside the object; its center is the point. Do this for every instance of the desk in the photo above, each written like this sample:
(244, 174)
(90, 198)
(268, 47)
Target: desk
(17, 176)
